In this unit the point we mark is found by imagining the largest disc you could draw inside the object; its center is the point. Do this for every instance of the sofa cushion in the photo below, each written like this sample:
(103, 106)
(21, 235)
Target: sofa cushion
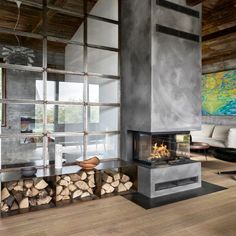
(220, 132)
(206, 131)
(231, 139)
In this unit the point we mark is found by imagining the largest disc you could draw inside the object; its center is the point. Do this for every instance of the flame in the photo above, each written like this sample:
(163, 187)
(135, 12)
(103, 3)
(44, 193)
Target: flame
(159, 152)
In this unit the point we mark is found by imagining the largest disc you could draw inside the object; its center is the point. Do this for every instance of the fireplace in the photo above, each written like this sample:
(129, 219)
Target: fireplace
(160, 148)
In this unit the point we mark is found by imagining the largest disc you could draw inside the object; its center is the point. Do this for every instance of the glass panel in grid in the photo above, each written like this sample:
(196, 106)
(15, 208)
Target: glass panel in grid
(103, 118)
(104, 90)
(19, 50)
(65, 26)
(104, 8)
(103, 146)
(64, 118)
(22, 118)
(64, 56)
(102, 33)
(102, 61)
(30, 17)
(23, 84)
(21, 150)
(72, 147)
(65, 87)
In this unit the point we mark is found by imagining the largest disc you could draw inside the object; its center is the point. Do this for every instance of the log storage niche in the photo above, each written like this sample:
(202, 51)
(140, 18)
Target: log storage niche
(23, 195)
(80, 185)
(114, 181)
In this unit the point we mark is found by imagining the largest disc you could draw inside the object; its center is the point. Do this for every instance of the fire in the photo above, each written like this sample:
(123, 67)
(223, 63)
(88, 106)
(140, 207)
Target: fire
(159, 152)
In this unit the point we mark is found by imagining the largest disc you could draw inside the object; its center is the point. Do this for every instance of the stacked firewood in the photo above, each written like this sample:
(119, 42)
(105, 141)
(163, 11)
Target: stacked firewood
(25, 193)
(73, 186)
(114, 181)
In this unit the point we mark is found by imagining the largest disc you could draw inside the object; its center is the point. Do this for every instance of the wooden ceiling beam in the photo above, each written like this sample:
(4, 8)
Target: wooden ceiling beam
(193, 2)
(221, 57)
(219, 33)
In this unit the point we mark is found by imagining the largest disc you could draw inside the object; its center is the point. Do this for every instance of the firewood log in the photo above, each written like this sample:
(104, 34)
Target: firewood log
(41, 184)
(59, 188)
(108, 188)
(65, 197)
(24, 203)
(91, 178)
(121, 188)
(67, 178)
(28, 193)
(18, 196)
(18, 188)
(91, 184)
(63, 182)
(10, 200)
(128, 185)
(125, 178)
(43, 201)
(14, 206)
(115, 183)
(81, 185)
(103, 191)
(28, 183)
(77, 193)
(91, 172)
(72, 187)
(58, 178)
(85, 194)
(50, 191)
(114, 174)
(65, 192)
(10, 185)
(43, 193)
(75, 177)
(5, 208)
(21, 183)
(5, 194)
(107, 178)
(59, 198)
(83, 175)
(90, 190)
(34, 191)
(33, 201)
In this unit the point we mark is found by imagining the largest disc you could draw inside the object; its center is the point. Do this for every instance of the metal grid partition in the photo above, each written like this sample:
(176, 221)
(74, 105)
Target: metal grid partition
(85, 71)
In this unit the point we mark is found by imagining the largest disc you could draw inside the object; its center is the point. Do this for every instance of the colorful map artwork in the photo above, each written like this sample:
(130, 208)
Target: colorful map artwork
(219, 93)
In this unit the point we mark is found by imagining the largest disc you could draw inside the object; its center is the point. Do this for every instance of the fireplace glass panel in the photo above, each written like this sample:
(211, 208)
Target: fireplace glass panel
(152, 148)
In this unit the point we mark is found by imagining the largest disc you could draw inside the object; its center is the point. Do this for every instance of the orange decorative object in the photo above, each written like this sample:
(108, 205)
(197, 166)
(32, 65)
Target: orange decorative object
(89, 164)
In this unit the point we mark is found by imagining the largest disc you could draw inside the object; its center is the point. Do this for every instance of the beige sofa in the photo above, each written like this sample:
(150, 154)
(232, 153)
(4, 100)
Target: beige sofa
(216, 135)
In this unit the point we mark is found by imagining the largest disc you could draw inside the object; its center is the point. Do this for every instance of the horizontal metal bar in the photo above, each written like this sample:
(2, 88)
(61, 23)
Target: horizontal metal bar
(103, 76)
(102, 47)
(21, 135)
(21, 101)
(177, 33)
(56, 71)
(92, 133)
(65, 11)
(66, 134)
(66, 41)
(21, 67)
(103, 19)
(65, 103)
(103, 104)
(21, 33)
(179, 8)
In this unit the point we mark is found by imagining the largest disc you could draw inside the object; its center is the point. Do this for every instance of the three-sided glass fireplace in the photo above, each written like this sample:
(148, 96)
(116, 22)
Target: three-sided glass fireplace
(160, 148)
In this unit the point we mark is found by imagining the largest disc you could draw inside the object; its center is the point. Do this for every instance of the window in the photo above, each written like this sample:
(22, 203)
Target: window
(67, 90)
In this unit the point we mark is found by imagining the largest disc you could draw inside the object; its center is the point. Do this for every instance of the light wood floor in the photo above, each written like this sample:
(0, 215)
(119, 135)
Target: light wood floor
(209, 215)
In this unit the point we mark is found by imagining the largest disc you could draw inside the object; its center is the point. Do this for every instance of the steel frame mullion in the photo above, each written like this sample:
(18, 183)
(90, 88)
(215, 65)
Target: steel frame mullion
(103, 19)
